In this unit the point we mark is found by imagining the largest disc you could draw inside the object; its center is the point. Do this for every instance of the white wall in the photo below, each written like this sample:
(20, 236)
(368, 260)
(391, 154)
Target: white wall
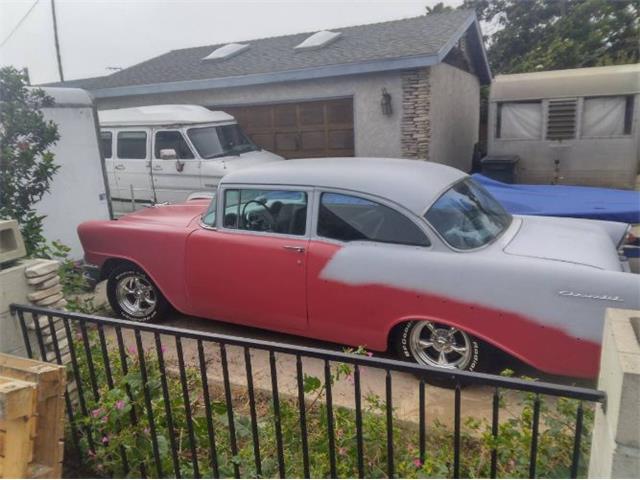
(77, 190)
(376, 135)
(608, 162)
(455, 115)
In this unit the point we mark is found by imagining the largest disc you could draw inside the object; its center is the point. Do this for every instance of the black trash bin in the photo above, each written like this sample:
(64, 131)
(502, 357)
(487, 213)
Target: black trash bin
(500, 167)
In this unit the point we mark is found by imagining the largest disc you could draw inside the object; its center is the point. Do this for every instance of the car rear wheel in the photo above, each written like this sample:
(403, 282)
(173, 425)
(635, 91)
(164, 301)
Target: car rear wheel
(438, 345)
(132, 295)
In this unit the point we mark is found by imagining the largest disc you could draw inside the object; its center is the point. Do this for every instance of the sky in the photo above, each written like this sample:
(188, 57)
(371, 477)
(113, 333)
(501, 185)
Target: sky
(97, 36)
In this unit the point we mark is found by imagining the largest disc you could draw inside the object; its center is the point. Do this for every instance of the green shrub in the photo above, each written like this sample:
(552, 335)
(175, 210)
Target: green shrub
(113, 431)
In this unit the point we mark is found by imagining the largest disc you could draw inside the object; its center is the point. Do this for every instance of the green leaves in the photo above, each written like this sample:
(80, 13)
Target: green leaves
(26, 164)
(311, 384)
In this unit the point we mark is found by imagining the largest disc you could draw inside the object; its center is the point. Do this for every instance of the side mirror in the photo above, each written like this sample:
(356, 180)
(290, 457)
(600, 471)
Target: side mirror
(168, 154)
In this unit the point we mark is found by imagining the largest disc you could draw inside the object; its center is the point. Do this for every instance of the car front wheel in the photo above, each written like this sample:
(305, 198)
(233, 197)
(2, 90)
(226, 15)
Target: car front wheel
(439, 345)
(132, 295)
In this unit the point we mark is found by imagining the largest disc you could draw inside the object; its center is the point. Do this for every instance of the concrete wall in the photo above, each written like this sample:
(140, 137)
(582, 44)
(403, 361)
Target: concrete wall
(376, 135)
(608, 162)
(454, 115)
(615, 446)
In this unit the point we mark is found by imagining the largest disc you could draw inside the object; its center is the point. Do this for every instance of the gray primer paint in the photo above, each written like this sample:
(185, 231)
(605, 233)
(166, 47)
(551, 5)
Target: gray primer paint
(376, 135)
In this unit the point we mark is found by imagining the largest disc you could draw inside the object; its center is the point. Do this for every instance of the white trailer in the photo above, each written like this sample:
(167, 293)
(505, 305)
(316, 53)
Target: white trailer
(79, 191)
(577, 126)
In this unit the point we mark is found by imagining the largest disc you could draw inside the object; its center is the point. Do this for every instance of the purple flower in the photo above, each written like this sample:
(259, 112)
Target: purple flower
(369, 354)
(342, 451)
(132, 350)
(120, 404)
(417, 462)
(105, 419)
(105, 439)
(96, 413)
(146, 430)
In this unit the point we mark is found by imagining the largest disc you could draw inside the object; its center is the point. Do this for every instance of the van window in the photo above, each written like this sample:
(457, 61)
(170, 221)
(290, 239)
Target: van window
(105, 143)
(519, 120)
(348, 218)
(132, 145)
(175, 140)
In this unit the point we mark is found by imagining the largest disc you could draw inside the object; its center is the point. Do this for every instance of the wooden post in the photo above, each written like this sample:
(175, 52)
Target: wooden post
(17, 412)
(46, 425)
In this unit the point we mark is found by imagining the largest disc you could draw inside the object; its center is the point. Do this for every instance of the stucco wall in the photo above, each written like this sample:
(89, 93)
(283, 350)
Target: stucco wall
(376, 135)
(454, 116)
(607, 162)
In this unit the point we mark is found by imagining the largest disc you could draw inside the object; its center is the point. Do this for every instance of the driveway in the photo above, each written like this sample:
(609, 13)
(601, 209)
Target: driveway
(476, 400)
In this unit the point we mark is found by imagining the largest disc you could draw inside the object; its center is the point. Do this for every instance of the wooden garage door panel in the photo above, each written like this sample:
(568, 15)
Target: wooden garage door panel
(298, 130)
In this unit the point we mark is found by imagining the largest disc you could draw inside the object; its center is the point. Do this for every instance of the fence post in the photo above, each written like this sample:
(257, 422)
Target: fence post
(615, 447)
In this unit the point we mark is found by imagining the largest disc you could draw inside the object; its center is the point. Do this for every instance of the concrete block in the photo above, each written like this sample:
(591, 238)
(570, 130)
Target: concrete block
(39, 281)
(43, 267)
(48, 301)
(11, 242)
(44, 293)
(615, 451)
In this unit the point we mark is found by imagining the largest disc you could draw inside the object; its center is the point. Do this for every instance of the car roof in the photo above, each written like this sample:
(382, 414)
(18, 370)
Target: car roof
(414, 184)
(162, 115)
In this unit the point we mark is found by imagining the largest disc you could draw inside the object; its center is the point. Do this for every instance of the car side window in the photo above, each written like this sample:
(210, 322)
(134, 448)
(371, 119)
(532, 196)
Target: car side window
(132, 145)
(172, 139)
(277, 211)
(348, 218)
(106, 144)
(209, 217)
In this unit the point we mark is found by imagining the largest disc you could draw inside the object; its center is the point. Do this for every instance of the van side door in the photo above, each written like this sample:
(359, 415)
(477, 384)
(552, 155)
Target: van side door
(132, 167)
(174, 176)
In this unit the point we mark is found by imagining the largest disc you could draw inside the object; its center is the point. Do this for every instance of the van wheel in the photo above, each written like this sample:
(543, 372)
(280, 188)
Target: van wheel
(132, 295)
(441, 346)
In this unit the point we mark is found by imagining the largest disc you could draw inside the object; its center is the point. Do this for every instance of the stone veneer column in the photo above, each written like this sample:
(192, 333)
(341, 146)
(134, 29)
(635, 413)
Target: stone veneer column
(416, 123)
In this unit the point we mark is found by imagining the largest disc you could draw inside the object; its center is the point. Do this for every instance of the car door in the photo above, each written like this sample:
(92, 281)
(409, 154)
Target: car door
(357, 241)
(132, 167)
(174, 177)
(250, 268)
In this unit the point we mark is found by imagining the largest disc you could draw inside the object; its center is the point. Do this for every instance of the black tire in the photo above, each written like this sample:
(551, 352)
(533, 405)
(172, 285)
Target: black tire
(122, 303)
(479, 358)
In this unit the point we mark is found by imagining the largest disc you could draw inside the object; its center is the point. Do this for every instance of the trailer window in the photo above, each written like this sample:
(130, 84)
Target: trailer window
(106, 144)
(519, 120)
(132, 145)
(607, 116)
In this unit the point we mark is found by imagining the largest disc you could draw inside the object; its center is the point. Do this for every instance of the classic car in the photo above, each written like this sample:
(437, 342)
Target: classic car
(381, 253)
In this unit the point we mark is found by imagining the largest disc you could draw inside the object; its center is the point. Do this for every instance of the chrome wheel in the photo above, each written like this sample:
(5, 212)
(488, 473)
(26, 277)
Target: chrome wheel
(439, 345)
(136, 295)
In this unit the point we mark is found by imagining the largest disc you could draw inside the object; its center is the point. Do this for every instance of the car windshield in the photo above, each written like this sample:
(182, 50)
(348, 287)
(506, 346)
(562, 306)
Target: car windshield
(467, 216)
(212, 142)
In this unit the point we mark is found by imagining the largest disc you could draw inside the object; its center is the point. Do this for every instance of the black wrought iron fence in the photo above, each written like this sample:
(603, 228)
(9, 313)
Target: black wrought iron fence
(140, 405)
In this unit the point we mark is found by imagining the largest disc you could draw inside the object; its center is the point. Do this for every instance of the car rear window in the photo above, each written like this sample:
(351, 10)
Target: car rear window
(348, 218)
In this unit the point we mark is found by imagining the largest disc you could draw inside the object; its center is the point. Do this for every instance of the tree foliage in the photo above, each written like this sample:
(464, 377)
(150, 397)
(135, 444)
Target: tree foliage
(26, 163)
(533, 35)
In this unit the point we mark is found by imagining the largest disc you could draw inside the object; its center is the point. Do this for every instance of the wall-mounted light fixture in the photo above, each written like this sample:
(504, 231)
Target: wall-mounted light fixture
(385, 103)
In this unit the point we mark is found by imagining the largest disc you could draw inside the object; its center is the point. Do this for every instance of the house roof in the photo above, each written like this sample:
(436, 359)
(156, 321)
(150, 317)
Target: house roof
(162, 115)
(392, 45)
(413, 184)
(610, 80)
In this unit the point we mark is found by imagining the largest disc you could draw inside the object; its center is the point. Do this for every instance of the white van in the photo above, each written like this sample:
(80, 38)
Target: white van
(164, 153)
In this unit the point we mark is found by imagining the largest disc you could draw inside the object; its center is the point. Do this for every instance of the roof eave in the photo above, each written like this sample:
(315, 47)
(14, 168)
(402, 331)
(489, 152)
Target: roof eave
(271, 77)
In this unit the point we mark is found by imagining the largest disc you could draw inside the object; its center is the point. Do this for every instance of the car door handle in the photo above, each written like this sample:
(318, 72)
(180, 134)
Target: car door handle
(119, 167)
(156, 167)
(293, 247)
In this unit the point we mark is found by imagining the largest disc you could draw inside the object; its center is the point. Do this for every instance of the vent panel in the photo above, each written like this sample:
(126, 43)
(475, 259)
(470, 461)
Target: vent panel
(318, 40)
(561, 119)
(226, 51)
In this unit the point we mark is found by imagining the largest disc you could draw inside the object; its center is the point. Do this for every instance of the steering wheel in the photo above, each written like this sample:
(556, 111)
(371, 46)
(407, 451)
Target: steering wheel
(255, 222)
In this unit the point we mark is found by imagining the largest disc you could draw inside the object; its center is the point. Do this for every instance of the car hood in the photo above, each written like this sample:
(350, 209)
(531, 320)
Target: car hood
(583, 242)
(179, 215)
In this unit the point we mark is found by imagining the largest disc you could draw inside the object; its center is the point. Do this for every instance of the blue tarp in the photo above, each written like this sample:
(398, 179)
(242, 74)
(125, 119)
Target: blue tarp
(565, 201)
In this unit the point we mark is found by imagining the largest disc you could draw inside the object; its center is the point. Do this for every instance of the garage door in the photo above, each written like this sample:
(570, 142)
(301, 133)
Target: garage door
(300, 130)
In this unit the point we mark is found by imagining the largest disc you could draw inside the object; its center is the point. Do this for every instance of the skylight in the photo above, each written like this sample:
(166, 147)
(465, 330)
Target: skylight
(318, 40)
(227, 51)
